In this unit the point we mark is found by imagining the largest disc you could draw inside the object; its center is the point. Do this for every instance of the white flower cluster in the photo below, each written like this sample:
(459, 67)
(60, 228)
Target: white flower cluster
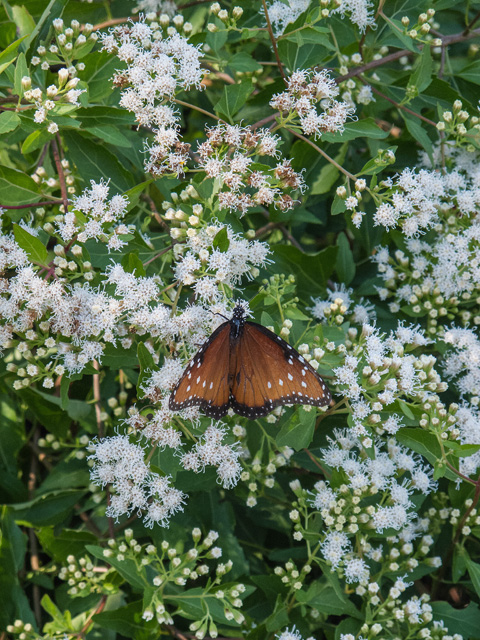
(136, 489)
(281, 14)
(228, 155)
(376, 371)
(157, 68)
(392, 475)
(94, 216)
(360, 13)
(439, 280)
(208, 268)
(340, 306)
(462, 362)
(211, 451)
(304, 90)
(415, 198)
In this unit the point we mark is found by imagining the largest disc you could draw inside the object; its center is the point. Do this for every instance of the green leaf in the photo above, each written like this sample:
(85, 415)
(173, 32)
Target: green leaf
(21, 70)
(10, 53)
(471, 72)
(24, 21)
(338, 206)
(97, 162)
(329, 174)
(422, 76)
(133, 194)
(9, 121)
(109, 134)
(233, 99)
(465, 621)
(64, 542)
(425, 443)
(98, 72)
(147, 365)
(459, 566)
(126, 621)
(244, 62)
(48, 509)
(418, 133)
(132, 264)
(461, 450)
(221, 241)
(345, 265)
(365, 128)
(474, 573)
(128, 569)
(312, 269)
(32, 245)
(322, 597)
(17, 188)
(299, 435)
(35, 140)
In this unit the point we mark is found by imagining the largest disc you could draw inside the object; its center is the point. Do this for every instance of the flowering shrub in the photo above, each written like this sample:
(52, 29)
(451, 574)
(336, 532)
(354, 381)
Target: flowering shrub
(318, 164)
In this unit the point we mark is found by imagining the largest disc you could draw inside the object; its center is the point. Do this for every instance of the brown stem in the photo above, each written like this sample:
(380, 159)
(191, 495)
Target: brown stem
(194, 106)
(61, 175)
(349, 175)
(156, 215)
(97, 397)
(88, 522)
(397, 104)
(34, 561)
(100, 607)
(46, 203)
(373, 64)
(274, 42)
(286, 233)
(326, 473)
(472, 22)
(159, 254)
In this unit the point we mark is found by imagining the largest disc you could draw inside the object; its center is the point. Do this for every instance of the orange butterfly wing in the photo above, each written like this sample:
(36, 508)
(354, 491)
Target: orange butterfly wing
(205, 381)
(268, 372)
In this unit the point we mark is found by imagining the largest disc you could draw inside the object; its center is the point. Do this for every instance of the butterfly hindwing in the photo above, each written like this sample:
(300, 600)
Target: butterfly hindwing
(269, 372)
(204, 382)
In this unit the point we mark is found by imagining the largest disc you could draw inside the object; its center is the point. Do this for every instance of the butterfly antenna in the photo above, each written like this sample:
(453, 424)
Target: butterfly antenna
(215, 313)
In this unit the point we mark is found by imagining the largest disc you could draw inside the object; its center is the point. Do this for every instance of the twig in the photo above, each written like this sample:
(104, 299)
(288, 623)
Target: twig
(326, 473)
(46, 203)
(199, 109)
(99, 609)
(61, 176)
(322, 153)
(397, 104)
(274, 42)
(160, 254)
(34, 562)
(373, 64)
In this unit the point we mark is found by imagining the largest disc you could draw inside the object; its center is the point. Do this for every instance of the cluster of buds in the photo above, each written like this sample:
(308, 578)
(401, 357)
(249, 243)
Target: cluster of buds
(460, 126)
(291, 576)
(229, 20)
(421, 28)
(52, 100)
(49, 181)
(170, 25)
(260, 476)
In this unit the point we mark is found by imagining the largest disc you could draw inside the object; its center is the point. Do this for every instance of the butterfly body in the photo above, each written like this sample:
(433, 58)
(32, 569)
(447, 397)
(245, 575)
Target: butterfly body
(248, 368)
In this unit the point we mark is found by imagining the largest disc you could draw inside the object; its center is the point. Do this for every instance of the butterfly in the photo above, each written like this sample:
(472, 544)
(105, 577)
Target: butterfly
(248, 368)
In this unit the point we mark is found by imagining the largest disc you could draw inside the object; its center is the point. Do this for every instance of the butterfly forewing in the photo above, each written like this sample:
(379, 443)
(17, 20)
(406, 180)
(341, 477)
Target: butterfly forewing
(204, 382)
(269, 373)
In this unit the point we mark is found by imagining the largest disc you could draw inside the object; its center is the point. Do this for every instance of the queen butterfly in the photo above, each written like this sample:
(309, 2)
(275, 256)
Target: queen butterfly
(246, 367)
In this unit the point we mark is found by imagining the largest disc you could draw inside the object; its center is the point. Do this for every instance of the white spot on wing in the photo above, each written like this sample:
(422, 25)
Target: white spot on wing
(290, 377)
(269, 385)
(280, 382)
(198, 379)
